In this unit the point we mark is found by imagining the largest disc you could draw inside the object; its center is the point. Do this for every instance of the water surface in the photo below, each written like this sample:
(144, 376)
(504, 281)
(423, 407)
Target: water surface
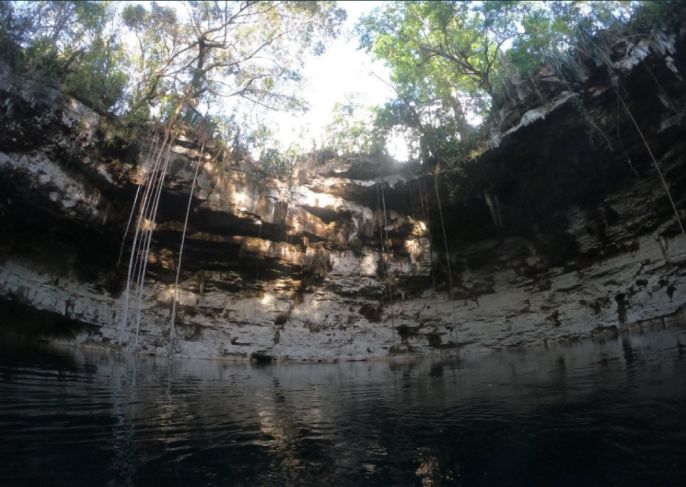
(612, 413)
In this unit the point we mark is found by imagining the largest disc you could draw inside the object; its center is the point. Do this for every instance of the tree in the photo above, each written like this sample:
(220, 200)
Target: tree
(250, 50)
(158, 35)
(352, 130)
(71, 43)
(443, 55)
(448, 59)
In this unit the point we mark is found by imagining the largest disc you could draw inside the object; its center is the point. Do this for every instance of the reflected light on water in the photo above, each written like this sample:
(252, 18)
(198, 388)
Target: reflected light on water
(607, 413)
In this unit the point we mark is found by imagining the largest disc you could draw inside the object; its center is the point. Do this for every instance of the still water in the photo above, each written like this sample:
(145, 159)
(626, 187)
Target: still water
(612, 413)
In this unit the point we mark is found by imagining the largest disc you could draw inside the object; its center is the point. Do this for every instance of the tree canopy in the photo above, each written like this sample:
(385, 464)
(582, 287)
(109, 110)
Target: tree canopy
(449, 59)
(244, 49)
(139, 60)
(72, 43)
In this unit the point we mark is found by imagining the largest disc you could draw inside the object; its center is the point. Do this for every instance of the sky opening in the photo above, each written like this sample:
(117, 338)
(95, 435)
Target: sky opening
(342, 73)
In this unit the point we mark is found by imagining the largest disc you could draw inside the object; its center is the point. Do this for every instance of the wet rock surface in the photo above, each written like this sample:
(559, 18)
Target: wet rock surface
(567, 232)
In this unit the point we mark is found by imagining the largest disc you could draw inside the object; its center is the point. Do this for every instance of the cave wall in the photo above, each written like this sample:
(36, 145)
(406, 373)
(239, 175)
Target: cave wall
(585, 243)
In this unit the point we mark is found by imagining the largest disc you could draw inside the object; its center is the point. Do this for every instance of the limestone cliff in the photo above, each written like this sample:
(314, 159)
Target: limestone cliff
(563, 229)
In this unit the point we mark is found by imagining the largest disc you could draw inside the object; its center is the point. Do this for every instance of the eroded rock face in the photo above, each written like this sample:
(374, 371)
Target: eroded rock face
(576, 239)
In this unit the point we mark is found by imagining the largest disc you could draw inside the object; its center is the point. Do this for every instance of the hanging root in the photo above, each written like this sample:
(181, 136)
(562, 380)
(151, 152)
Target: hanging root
(146, 205)
(172, 322)
(384, 248)
(445, 243)
(655, 163)
(134, 206)
(388, 282)
(424, 202)
(445, 237)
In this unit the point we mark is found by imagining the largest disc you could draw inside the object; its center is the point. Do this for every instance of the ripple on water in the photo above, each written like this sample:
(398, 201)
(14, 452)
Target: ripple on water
(585, 415)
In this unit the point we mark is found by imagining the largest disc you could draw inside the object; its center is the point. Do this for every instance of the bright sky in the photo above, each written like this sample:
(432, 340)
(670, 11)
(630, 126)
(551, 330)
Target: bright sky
(342, 71)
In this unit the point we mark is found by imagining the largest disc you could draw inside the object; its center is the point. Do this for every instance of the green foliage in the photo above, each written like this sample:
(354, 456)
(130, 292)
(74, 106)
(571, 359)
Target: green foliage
(224, 50)
(448, 60)
(444, 57)
(553, 31)
(97, 77)
(12, 28)
(352, 130)
(215, 50)
(69, 43)
(158, 36)
(278, 163)
(650, 13)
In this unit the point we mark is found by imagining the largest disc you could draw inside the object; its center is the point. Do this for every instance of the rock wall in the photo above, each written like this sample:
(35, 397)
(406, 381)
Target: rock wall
(565, 233)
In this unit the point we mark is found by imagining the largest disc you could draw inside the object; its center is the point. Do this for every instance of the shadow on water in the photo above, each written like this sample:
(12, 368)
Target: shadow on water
(589, 414)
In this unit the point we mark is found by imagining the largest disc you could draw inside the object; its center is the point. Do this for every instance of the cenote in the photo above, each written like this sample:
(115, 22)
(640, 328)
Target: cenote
(470, 272)
(609, 413)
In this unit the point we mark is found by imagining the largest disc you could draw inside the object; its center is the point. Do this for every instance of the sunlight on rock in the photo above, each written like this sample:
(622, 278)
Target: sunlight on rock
(465, 266)
(267, 300)
(369, 264)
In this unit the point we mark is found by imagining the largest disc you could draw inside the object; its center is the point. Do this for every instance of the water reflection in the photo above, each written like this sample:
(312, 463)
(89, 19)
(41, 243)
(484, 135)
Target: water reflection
(591, 414)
